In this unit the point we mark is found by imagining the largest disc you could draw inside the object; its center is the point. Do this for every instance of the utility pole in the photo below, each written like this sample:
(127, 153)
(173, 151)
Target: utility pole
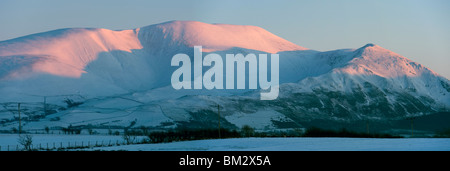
(20, 124)
(218, 117)
(412, 126)
(45, 105)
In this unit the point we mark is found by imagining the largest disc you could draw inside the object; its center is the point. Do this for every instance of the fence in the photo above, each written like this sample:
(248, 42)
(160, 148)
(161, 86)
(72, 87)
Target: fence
(58, 146)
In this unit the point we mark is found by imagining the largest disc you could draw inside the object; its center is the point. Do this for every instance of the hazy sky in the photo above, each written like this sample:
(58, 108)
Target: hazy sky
(416, 29)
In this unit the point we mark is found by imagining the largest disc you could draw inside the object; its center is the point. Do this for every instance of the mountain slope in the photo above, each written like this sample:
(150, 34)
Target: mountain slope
(131, 60)
(114, 78)
(66, 52)
(386, 70)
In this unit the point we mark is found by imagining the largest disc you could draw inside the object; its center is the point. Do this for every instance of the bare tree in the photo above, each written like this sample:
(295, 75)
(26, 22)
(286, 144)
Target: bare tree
(247, 131)
(26, 141)
(129, 137)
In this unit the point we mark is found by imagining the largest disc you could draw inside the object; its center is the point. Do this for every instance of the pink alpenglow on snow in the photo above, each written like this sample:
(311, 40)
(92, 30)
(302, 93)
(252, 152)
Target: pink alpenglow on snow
(66, 52)
(219, 37)
(376, 60)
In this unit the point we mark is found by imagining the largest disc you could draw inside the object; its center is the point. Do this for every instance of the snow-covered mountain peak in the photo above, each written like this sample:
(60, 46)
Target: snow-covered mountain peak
(372, 59)
(368, 45)
(215, 37)
(371, 48)
(65, 52)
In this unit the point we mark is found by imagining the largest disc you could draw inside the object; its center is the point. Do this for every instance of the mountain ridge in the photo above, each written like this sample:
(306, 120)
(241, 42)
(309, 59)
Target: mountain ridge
(124, 76)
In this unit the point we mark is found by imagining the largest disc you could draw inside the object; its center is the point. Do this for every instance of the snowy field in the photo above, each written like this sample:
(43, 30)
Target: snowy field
(238, 144)
(297, 144)
(54, 141)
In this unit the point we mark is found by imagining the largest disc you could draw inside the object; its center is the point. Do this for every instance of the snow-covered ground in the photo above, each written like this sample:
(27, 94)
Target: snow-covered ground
(234, 144)
(55, 141)
(296, 144)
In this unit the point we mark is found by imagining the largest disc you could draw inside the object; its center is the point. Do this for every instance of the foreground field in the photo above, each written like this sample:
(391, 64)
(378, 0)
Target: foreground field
(297, 144)
(108, 143)
(10, 142)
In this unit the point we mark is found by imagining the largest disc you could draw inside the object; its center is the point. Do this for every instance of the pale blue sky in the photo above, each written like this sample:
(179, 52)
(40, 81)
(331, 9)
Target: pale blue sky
(417, 29)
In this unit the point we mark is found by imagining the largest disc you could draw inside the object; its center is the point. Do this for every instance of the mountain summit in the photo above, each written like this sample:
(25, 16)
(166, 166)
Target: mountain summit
(118, 77)
(214, 37)
(67, 52)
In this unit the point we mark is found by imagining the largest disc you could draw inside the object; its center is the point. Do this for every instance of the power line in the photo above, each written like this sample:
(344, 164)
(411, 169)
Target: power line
(20, 124)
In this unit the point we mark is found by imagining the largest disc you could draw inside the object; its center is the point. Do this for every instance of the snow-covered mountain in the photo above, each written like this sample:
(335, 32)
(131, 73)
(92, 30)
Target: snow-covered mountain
(101, 77)
(370, 82)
